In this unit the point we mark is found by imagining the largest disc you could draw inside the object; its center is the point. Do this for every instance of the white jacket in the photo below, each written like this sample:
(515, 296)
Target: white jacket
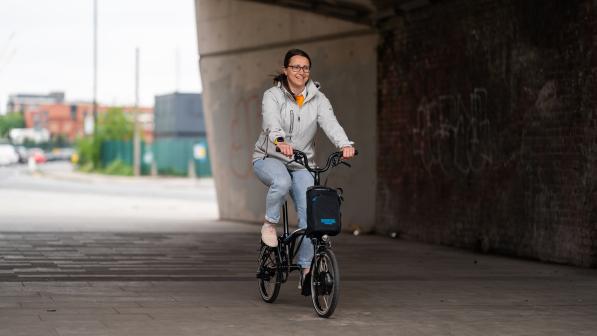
(282, 117)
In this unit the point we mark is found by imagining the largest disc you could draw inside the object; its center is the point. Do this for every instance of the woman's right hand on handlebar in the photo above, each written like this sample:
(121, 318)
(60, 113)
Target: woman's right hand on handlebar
(285, 149)
(348, 152)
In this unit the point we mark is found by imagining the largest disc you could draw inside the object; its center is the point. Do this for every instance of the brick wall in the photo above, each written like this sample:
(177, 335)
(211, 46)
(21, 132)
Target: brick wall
(488, 127)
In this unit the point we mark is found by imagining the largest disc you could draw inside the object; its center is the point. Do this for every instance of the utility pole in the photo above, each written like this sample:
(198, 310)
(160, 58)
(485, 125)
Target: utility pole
(7, 52)
(137, 138)
(177, 69)
(94, 109)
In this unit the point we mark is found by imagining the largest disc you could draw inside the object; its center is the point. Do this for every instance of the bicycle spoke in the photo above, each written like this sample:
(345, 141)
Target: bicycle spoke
(325, 286)
(269, 285)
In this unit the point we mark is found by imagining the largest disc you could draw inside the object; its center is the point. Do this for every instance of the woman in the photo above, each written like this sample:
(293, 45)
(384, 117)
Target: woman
(291, 111)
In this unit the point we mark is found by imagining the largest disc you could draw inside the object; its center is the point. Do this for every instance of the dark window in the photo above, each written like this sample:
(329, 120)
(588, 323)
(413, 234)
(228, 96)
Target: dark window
(73, 112)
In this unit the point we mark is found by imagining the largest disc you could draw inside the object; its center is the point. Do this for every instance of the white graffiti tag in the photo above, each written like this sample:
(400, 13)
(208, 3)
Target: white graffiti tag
(453, 136)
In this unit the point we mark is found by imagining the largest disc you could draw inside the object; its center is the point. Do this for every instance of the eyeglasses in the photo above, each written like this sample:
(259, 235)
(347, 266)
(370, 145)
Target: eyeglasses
(297, 68)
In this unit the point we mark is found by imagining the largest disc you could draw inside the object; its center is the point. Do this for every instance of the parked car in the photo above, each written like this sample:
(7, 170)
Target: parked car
(66, 154)
(50, 156)
(63, 154)
(23, 155)
(8, 155)
(38, 155)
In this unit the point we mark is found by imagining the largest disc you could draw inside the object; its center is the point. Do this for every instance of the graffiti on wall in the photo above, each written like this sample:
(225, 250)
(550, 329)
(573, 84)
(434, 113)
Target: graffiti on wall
(454, 133)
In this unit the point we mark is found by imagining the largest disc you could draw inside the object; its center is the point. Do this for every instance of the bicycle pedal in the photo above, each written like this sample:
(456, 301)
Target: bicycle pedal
(263, 276)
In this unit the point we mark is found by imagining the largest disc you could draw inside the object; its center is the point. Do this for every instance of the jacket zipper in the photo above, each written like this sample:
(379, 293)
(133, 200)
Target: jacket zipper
(291, 121)
(291, 114)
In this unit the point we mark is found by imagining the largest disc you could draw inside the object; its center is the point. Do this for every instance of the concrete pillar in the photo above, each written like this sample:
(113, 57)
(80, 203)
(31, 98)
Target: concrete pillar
(242, 45)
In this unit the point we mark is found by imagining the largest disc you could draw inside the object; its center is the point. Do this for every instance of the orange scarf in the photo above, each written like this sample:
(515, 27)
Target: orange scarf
(299, 100)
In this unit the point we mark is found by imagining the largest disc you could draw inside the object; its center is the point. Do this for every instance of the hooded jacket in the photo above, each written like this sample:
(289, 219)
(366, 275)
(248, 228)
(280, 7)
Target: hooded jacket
(282, 117)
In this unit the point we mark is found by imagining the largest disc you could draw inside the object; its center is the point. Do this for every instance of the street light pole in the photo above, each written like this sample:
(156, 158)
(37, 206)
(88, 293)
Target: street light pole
(94, 109)
(137, 137)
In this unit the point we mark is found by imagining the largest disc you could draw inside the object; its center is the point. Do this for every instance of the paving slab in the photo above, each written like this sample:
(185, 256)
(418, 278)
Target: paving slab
(406, 289)
(161, 264)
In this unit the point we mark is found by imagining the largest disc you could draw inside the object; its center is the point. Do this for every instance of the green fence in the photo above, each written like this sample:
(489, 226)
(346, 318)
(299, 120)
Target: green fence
(123, 151)
(172, 156)
(116, 150)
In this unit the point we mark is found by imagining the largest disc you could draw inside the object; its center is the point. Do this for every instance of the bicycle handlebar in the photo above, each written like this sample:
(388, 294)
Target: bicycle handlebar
(333, 160)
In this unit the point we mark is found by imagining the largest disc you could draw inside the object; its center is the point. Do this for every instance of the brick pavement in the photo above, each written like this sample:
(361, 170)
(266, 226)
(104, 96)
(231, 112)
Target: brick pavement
(202, 283)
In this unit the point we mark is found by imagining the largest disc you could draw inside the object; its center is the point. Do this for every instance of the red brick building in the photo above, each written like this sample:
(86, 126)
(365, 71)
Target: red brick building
(68, 120)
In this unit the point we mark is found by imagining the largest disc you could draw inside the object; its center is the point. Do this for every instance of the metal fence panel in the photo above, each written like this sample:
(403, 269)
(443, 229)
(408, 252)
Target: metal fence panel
(174, 156)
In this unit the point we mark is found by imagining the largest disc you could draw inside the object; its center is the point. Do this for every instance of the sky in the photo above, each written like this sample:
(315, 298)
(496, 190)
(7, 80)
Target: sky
(47, 45)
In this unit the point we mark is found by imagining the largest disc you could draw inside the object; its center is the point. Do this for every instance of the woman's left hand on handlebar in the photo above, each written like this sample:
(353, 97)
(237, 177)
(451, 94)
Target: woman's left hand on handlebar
(285, 148)
(347, 152)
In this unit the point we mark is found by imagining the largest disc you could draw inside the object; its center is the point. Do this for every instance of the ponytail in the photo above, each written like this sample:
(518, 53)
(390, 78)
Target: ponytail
(280, 78)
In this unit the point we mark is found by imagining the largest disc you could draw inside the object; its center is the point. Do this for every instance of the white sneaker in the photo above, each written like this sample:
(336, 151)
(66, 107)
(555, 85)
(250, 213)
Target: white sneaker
(268, 235)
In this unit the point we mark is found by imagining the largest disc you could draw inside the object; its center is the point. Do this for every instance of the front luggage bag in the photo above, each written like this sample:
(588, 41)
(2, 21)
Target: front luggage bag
(323, 211)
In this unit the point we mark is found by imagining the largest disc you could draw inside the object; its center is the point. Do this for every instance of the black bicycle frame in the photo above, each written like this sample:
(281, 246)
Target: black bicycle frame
(289, 242)
(289, 239)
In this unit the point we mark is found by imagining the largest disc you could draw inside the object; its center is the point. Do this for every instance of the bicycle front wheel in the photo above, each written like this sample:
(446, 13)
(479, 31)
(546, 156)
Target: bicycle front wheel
(268, 274)
(325, 283)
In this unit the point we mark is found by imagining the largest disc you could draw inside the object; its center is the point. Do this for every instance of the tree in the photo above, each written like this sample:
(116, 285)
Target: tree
(114, 125)
(10, 121)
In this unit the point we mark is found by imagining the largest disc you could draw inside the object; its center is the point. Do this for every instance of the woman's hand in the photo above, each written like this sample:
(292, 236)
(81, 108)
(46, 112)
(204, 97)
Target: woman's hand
(285, 149)
(347, 152)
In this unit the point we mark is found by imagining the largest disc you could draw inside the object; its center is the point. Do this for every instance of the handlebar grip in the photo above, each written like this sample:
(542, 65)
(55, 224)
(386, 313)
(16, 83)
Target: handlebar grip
(356, 152)
(294, 151)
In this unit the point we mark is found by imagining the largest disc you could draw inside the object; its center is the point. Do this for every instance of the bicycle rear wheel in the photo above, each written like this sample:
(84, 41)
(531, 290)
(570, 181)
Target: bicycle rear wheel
(268, 274)
(325, 283)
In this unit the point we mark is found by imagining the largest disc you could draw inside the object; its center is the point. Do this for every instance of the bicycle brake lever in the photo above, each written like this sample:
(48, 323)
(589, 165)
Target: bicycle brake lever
(346, 163)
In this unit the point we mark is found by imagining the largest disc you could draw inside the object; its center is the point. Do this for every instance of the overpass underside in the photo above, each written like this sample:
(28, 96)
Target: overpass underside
(475, 119)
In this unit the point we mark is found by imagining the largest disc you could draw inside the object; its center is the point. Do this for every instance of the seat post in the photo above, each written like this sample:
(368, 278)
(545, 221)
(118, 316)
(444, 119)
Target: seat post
(285, 218)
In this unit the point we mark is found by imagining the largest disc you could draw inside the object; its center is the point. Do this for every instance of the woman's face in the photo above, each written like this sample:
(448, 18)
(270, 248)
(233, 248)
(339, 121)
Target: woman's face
(298, 71)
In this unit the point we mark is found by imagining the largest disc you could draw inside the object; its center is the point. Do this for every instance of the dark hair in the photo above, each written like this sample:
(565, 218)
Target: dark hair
(289, 54)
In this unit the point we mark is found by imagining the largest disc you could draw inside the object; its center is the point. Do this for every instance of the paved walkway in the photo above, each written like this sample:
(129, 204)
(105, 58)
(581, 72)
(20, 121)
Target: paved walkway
(202, 283)
(92, 255)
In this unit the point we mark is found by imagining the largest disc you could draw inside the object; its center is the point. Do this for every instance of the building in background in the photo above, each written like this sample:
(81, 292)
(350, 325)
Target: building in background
(23, 101)
(179, 115)
(71, 120)
(180, 145)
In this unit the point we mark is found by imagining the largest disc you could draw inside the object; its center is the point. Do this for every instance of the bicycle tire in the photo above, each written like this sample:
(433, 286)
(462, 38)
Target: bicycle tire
(325, 283)
(269, 275)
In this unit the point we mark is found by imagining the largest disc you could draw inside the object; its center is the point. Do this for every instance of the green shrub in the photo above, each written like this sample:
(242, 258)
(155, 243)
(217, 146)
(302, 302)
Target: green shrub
(118, 167)
(86, 168)
(171, 172)
(10, 121)
(113, 125)
(88, 149)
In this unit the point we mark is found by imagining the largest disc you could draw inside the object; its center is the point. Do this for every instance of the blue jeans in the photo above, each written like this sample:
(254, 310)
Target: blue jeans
(274, 174)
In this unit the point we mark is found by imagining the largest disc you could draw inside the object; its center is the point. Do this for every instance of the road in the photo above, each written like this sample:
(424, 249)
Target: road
(95, 255)
(58, 199)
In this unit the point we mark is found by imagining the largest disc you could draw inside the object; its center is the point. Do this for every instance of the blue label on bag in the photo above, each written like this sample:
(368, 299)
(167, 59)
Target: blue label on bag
(328, 221)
